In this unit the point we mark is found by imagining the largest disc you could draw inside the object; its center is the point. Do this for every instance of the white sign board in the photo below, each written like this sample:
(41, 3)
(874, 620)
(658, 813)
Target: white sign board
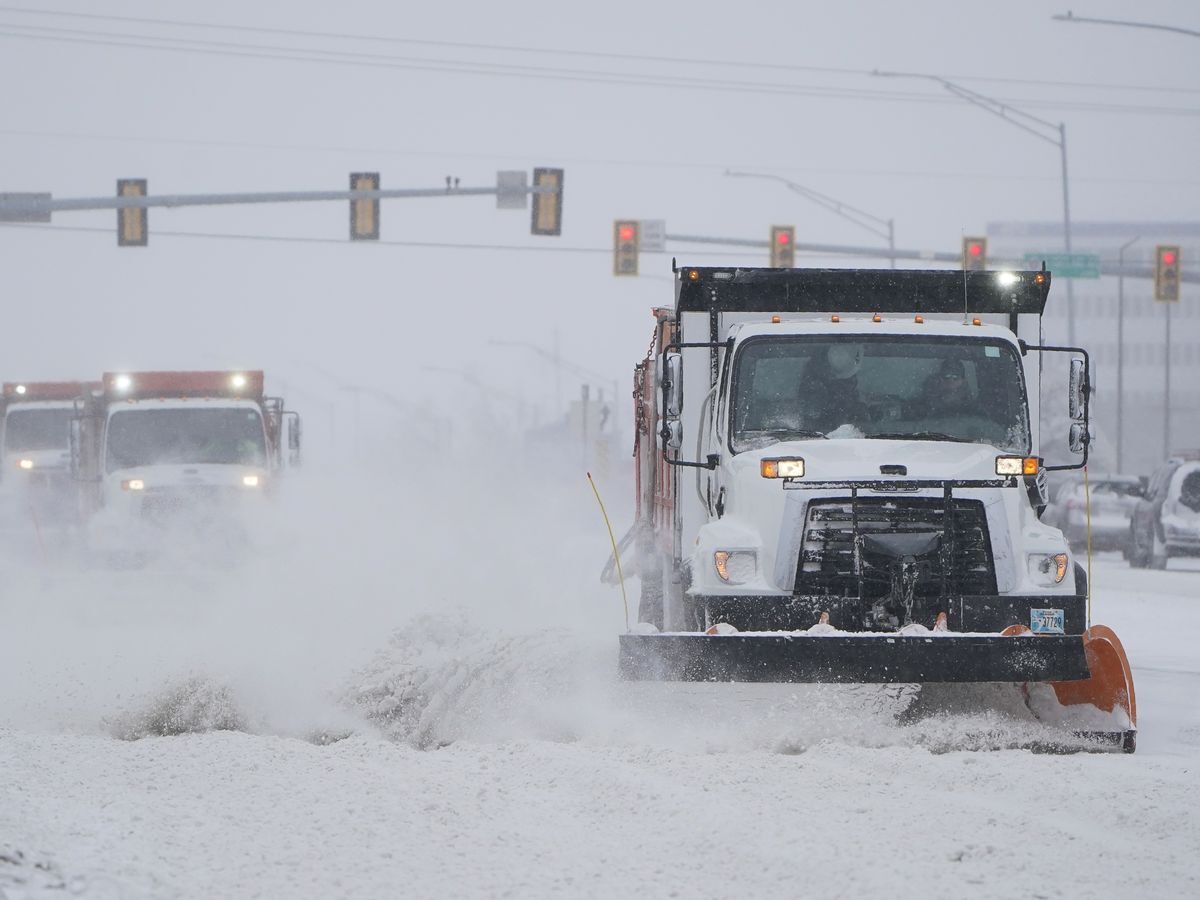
(653, 236)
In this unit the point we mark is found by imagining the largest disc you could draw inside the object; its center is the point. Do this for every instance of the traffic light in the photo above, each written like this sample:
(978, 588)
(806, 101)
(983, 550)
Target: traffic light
(132, 222)
(364, 214)
(783, 247)
(974, 254)
(625, 246)
(547, 208)
(1166, 273)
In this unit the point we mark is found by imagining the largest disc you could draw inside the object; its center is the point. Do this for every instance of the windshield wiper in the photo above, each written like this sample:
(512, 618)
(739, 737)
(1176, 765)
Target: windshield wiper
(787, 432)
(921, 436)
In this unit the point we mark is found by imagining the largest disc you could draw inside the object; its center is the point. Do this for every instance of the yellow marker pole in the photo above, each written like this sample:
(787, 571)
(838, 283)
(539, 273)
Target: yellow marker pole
(1087, 506)
(616, 552)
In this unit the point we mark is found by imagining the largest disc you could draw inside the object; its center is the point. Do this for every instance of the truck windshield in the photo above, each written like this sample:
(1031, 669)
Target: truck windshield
(886, 386)
(37, 429)
(148, 437)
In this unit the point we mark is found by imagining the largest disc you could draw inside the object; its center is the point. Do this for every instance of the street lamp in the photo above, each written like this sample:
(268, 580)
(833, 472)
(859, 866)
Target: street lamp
(1069, 17)
(1039, 128)
(845, 210)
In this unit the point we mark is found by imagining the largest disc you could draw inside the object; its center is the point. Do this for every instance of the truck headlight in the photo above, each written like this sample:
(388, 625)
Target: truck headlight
(736, 566)
(1017, 465)
(1048, 568)
(26, 464)
(133, 484)
(791, 467)
(251, 481)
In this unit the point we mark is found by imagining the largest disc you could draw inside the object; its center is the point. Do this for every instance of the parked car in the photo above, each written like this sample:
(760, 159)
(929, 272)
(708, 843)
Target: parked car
(1113, 500)
(1166, 521)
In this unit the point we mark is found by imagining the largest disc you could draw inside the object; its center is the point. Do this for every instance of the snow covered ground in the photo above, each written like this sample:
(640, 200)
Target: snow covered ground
(410, 719)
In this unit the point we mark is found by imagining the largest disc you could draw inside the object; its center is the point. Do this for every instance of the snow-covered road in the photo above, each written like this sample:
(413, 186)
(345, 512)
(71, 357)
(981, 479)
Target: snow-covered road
(512, 765)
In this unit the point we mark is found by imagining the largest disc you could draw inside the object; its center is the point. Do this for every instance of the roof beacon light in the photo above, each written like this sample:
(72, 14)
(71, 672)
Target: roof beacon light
(122, 383)
(238, 381)
(20, 389)
(1007, 279)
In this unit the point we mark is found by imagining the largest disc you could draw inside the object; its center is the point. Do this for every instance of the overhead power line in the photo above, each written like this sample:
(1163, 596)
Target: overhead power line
(542, 73)
(706, 62)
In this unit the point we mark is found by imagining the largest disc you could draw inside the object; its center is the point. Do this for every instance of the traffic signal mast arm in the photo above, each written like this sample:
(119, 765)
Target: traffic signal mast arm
(25, 207)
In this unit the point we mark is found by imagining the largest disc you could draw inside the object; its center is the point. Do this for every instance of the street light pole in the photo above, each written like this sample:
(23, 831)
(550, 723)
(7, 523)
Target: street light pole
(1121, 349)
(885, 228)
(1073, 18)
(1039, 128)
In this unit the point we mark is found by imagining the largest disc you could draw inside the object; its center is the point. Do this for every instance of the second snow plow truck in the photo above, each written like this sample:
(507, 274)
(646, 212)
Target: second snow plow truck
(151, 450)
(840, 479)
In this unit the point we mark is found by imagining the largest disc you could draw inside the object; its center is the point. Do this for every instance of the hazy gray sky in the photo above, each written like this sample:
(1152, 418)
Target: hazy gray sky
(85, 108)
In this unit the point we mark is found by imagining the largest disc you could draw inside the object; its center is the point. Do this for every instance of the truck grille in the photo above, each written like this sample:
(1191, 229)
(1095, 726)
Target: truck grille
(961, 562)
(165, 503)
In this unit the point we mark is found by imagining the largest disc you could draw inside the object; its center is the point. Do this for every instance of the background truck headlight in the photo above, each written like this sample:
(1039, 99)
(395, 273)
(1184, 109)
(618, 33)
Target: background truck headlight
(251, 481)
(1048, 568)
(736, 566)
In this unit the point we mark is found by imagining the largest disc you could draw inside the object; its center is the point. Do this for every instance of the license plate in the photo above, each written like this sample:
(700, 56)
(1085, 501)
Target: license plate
(1046, 621)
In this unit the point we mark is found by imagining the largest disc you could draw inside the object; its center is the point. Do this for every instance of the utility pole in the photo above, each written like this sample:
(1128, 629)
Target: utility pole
(1039, 128)
(885, 228)
(1121, 351)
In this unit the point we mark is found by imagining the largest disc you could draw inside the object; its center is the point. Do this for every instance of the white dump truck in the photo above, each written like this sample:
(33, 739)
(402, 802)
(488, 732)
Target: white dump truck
(36, 488)
(840, 478)
(152, 450)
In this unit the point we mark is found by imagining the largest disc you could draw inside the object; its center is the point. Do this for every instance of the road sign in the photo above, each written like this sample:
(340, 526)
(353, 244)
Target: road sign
(1066, 265)
(512, 189)
(16, 214)
(653, 236)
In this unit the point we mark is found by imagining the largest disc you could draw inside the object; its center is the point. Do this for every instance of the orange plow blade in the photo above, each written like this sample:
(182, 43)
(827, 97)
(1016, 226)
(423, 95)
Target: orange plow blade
(1110, 686)
(1100, 709)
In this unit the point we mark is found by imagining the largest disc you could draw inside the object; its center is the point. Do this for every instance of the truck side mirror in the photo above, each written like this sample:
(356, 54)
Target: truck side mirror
(1079, 437)
(673, 385)
(1077, 389)
(672, 435)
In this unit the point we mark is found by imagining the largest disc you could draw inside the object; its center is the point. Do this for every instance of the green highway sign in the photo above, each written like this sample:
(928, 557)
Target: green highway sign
(1066, 265)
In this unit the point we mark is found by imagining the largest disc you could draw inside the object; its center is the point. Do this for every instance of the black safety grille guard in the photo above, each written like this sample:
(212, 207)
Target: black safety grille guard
(894, 491)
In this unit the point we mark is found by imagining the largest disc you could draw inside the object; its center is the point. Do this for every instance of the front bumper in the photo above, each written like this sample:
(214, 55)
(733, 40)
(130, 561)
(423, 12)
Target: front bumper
(841, 658)
(788, 612)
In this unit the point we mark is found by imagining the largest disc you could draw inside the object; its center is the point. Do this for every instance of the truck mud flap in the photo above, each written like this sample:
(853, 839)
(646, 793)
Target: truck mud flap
(878, 659)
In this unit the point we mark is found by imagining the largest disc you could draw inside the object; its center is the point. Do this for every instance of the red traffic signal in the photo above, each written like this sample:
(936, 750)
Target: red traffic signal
(625, 246)
(1166, 273)
(783, 247)
(974, 253)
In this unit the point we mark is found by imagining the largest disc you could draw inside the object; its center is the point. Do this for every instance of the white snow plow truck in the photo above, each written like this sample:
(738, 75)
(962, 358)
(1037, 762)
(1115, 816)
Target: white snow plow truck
(152, 450)
(839, 479)
(35, 476)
